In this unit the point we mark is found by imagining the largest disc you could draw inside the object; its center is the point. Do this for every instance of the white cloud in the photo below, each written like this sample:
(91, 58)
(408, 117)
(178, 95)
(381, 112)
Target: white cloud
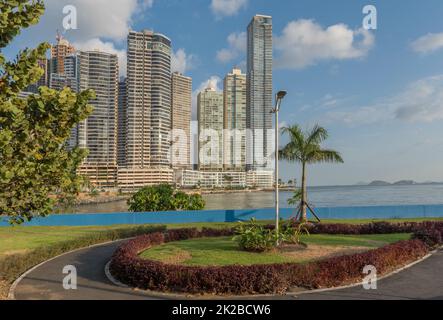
(110, 19)
(102, 24)
(97, 44)
(428, 43)
(421, 101)
(214, 82)
(181, 61)
(305, 43)
(223, 8)
(236, 47)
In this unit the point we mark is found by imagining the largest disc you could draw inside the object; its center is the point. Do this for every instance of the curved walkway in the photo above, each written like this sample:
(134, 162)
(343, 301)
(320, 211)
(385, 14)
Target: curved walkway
(422, 281)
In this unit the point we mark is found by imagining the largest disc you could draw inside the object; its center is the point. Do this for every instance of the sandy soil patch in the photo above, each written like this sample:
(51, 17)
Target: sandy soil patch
(315, 252)
(4, 290)
(13, 252)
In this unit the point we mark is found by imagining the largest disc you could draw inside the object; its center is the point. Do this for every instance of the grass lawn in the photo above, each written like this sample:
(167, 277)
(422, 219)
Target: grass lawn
(224, 251)
(23, 239)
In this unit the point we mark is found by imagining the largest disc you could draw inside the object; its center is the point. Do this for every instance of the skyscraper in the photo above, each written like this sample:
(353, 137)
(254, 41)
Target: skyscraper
(181, 88)
(149, 100)
(59, 51)
(98, 133)
(259, 91)
(69, 78)
(122, 117)
(210, 129)
(234, 93)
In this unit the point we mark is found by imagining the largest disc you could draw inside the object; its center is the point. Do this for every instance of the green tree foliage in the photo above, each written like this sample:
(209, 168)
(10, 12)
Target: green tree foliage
(296, 198)
(164, 198)
(305, 148)
(36, 169)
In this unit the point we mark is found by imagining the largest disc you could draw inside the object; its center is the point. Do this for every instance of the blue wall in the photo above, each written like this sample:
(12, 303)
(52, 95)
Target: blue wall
(385, 212)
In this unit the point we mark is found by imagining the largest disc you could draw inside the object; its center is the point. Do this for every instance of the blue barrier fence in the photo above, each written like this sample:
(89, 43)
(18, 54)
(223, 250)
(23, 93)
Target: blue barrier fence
(107, 219)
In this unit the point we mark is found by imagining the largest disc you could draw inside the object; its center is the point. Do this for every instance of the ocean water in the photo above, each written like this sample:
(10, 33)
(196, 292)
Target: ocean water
(339, 196)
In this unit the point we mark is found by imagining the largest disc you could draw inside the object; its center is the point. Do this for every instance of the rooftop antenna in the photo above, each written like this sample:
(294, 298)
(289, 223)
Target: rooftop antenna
(59, 36)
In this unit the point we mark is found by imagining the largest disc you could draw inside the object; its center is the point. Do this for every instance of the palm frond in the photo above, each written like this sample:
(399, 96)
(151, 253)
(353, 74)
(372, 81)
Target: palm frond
(325, 155)
(317, 135)
(291, 153)
(296, 134)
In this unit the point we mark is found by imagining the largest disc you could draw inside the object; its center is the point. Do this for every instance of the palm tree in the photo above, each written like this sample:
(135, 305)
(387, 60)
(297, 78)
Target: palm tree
(305, 148)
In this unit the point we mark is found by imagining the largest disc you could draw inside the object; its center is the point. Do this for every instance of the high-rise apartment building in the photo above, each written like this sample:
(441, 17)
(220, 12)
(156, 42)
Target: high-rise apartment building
(99, 71)
(69, 78)
(234, 94)
(259, 91)
(98, 133)
(181, 90)
(210, 129)
(149, 100)
(122, 127)
(59, 51)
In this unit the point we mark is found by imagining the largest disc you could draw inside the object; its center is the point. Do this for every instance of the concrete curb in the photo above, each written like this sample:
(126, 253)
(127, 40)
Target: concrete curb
(112, 279)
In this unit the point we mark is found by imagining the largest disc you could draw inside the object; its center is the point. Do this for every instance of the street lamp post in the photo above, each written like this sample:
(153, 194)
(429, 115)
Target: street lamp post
(278, 99)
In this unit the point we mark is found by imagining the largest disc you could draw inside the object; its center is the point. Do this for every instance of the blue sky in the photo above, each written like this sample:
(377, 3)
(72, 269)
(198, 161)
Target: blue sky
(379, 92)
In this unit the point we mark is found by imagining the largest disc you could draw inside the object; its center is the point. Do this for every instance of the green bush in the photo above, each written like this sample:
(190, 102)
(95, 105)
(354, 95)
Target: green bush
(292, 233)
(255, 238)
(164, 198)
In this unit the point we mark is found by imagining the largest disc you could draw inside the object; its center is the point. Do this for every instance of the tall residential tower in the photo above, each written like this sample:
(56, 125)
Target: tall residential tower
(259, 92)
(147, 158)
(181, 88)
(149, 100)
(98, 133)
(122, 127)
(234, 93)
(210, 130)
(59, 51)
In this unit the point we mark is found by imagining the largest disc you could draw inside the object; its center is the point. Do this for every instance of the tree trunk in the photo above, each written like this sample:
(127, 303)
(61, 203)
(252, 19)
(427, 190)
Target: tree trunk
(303, 215)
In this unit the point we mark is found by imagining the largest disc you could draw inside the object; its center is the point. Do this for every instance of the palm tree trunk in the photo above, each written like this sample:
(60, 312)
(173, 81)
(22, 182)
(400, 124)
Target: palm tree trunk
(304, 215)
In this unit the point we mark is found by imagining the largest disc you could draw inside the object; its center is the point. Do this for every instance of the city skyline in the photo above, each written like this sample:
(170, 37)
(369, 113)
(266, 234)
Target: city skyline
(142, 123)
(383, 105)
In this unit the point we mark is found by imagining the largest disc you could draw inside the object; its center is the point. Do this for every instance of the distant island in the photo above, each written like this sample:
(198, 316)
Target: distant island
(381, 183)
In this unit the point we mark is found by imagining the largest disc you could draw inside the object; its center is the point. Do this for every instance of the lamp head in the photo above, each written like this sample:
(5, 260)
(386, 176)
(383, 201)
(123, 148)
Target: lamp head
(281, 94)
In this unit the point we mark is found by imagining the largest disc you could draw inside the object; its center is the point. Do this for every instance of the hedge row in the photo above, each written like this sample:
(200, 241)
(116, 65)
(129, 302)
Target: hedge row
(429, 232)
(134, 271)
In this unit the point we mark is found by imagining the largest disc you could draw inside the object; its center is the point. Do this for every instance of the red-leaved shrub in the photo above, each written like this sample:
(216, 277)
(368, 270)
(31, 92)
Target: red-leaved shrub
(134, 271)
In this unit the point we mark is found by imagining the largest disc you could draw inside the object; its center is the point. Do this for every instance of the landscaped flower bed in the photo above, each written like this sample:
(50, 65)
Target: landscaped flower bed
(134, 271)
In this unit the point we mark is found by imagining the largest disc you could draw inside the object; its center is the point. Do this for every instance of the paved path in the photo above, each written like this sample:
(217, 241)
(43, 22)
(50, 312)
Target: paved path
(422, 281)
